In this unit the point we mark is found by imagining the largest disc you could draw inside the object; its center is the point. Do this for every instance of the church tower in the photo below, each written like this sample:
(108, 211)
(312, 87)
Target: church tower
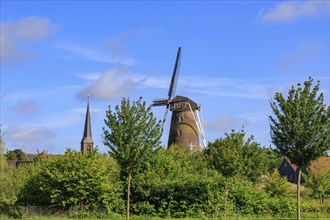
(87, 141)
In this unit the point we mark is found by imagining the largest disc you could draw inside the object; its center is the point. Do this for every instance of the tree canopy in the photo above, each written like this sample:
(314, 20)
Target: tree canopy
(73, 179)
(300, 126)
(17, 154)
(233, 156)
(131, 134)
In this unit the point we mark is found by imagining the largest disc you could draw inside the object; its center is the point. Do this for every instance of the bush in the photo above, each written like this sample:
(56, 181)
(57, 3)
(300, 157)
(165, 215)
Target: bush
(75, 179)
(248, 200)
(282, 206)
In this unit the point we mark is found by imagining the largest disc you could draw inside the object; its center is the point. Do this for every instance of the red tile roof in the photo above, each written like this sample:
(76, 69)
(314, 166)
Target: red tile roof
(322, 164)
(294, 166)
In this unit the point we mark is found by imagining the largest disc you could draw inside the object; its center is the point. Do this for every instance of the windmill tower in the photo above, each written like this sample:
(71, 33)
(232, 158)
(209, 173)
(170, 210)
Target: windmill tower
(87, 140)
(186, 125)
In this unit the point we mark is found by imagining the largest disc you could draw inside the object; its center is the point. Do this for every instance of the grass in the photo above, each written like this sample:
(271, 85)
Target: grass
(143, 218)
(311, 209)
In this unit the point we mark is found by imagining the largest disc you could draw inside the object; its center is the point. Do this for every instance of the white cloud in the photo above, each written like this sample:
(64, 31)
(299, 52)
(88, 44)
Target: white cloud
(289, 11)
(113, 50)
(225, 123)
(116, 83)
(213, 86)
(227, 87)
(25, 108)
(304, 52)
(96, 54)
(89, 76)
(21, 136)
(14, 32)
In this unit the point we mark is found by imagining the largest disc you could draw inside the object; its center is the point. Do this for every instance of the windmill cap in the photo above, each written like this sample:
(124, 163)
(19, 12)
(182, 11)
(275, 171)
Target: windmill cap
(178, 98)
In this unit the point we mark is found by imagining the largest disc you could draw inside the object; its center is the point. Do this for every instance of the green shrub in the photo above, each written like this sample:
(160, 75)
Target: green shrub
(282, 206)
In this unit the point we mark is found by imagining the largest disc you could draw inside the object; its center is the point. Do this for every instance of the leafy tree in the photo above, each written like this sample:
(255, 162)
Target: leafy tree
(2, 152)
(224, 154)
(16, 154)
(86, 181)
(13, 180)
(233, 155)
(10, 155)
(275, 185)
(274, 158)
(177, 182)
(132, 134)
(300, 126)
(318, 178)
(255, 160)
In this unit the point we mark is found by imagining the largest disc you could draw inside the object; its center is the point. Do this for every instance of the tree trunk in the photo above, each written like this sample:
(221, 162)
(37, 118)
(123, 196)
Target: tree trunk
(298, 193)
(128, 195)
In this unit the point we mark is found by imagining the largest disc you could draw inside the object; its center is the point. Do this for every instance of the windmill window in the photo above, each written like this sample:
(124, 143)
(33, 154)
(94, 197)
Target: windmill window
(284, 164)
(179, 132)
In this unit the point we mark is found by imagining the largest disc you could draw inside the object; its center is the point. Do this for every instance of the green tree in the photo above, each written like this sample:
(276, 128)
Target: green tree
(233, 156)
(318, 178)
(13, 180)
(300, 126)
(224, 154)
(177, 182)
(132, 134)
(83, 181)
(2, 152)
(16, 154)
(274, 158)
(275, 185)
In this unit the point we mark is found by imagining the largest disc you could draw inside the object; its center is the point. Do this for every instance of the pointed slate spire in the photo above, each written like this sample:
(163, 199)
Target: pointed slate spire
(87, 140)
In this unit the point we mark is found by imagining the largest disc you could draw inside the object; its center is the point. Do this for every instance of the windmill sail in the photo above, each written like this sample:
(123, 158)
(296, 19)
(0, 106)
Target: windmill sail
(175, 75)
(171, 90)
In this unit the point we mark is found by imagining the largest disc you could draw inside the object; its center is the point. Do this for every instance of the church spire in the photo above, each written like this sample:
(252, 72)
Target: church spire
(87, 141)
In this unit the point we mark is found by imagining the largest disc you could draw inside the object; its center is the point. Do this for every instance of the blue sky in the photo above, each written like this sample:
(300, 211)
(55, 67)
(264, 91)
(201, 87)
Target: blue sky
(235, 56)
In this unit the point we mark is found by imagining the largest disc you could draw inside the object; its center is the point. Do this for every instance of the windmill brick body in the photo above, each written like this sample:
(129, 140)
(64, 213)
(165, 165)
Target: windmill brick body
(183, 130)
(186, 127)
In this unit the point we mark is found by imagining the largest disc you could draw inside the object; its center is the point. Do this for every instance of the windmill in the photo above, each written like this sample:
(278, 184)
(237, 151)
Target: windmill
(186, 128)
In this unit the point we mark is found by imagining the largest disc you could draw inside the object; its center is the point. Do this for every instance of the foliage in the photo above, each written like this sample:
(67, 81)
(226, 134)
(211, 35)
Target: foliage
(132, 134)
(2, 152)
(274, 158)
(233, 156)
(301, 126)
(16, 154)
(282, 206)
(318, 179)
(12, 182)
(175, 182)
(74, 179)
(275, 185)
(248, 200)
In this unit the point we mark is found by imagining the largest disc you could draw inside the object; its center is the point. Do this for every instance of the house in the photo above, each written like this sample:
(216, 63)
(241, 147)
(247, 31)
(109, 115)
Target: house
(289, 169)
